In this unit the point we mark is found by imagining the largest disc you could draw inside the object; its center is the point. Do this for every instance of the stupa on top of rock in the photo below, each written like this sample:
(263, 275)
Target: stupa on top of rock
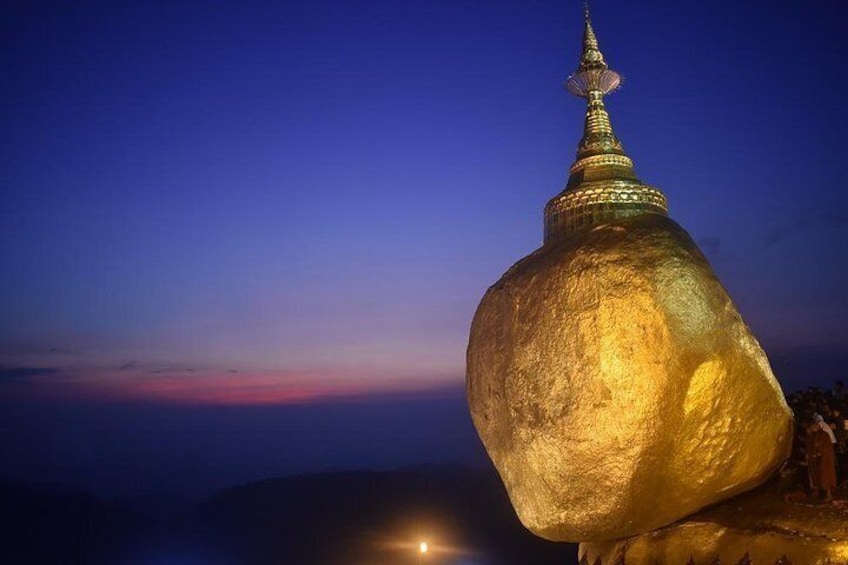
(610, 377)
(602, 185)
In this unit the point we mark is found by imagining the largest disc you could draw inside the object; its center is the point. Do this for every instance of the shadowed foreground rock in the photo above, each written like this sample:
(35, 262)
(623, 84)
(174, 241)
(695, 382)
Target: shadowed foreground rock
(756, 528)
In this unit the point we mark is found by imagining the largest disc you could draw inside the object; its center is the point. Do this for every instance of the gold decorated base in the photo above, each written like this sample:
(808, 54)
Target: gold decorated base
(757, 528)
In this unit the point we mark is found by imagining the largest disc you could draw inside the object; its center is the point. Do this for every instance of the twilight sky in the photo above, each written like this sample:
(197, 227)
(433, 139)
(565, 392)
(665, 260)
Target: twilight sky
(246, 212)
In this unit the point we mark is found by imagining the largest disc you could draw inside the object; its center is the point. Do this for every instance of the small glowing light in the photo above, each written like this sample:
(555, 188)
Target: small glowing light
(422, 547)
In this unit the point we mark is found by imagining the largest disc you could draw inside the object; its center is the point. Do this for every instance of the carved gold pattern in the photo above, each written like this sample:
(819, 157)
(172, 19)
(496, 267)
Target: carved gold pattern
(595, 203)
(600, 160)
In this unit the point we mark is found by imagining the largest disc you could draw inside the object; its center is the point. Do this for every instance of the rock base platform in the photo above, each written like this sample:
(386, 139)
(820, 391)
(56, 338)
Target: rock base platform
(758, 528)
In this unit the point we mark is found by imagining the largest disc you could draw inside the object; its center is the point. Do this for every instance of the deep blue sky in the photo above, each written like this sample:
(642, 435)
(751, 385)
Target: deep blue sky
(213, 206)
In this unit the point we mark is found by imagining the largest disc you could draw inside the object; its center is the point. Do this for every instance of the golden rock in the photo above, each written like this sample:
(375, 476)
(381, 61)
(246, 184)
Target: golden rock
(759, 526)
(615, 386)
(611, 379)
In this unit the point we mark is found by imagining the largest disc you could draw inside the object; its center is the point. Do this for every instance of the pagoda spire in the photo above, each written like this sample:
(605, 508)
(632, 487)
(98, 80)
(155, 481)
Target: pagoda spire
(592, 80)
(602, 185)
(592, 57)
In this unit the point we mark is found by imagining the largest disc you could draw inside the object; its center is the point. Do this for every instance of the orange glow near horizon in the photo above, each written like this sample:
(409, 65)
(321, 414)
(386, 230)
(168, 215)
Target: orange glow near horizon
(218, 388)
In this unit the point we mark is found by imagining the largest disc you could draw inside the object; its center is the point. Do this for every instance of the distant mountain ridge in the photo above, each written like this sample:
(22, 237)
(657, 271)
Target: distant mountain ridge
(340, 517)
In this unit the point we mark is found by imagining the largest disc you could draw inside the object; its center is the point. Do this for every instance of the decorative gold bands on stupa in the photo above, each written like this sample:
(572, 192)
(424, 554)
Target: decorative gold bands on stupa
(600, 161)
(597, 203)
(602, 185)
(597, 118)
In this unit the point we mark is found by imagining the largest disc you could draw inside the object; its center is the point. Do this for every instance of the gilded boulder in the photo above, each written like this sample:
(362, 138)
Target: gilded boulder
(615, 386)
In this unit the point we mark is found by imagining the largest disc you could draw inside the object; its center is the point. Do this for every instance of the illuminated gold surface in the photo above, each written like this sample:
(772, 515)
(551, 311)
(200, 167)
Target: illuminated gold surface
(602, 185)
(615, 386)
(759, 524)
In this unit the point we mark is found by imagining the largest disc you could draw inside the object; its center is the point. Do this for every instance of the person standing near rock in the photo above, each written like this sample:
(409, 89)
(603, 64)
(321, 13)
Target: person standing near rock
(821, 461)
(839, 433)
